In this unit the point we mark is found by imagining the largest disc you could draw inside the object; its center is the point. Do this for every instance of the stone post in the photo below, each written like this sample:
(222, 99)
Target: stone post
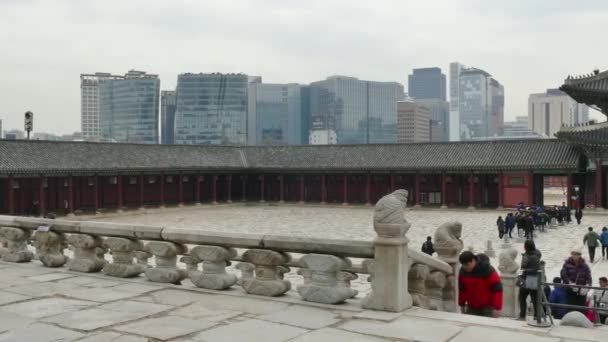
(86, 258)
(268, 280)
(49, 248)
(16, 240)
(165, 254)
(489, 249)
(214, 259)
(391, 266)
(123, 254)
(321, 281)
(435, 283)
(508, 273)
(448, 247)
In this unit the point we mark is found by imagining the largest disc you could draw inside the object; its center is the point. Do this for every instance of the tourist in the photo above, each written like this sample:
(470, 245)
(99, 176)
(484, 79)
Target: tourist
(600, 300)
(530, 265)
(427, 246)
(576, 272)
(578, 214)
(604, 240)
(529, 228)
(510, 224)
(558, 296)
(593, 241)
(521, 224)
(480, 289)
(500, 224)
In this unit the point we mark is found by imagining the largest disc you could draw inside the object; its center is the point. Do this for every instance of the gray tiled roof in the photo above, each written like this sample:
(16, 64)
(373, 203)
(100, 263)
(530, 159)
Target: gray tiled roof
(27, 157)
(589, 135)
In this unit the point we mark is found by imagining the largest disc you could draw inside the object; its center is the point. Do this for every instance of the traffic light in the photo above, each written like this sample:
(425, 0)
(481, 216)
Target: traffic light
(29, 121)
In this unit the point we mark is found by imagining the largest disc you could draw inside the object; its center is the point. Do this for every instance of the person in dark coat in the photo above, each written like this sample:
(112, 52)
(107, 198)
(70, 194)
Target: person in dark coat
(479, 286)
(558, 296)
(427, 246)
(509, 224)
(500, 224)
(530, 265)
(578, 215)
(576, 272)
(529, 228)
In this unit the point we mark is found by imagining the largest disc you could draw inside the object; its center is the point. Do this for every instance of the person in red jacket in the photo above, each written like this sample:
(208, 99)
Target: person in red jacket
(480, 288)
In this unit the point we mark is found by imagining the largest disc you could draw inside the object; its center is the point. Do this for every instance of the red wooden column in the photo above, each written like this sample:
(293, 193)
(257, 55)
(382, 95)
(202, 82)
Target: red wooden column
(368, 190)
(180, 190)
(323, 189)
(197, 189)
(229, 188)
(262, 186)
(95, 193)
(500, 190)
(244, 188)
(444, 193)
(140, 180)
(162, 190)
(569, 190)
(471, 191)
(11, 195)
(120, 191)
(530, 188)
(214, 189)
(417, 191)
(345, 190)
(392, 182)
(302, 189)
(70, 195)
(598, 184)
(42, 199)
(281, 189)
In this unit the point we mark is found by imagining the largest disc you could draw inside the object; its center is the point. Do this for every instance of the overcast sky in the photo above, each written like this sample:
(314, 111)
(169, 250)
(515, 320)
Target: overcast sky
(527, 45)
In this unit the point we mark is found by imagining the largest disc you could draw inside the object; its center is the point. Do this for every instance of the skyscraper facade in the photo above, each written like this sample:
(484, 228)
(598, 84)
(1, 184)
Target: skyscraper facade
(168, 101)
(89, 101)
(426, 83)
(276, 113)
(440, 115)
(414, 122)
(481, 104)
(360, 112)
(128, 108)
(454, 118)
(550, 110)
(211, 109)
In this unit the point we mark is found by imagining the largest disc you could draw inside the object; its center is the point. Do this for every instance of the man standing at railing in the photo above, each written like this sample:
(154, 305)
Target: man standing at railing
(479, 285)
(576, 272)
(600, 299)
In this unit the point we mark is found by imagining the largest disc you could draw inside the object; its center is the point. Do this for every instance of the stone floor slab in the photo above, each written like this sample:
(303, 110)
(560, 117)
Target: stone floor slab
(51, 276)
(198, 310)
(39, 332)
(378, 315)
(136, 288)
(407, 328)
(335, 335)
(595, 334)
(498, 335)
(250, 330)
(40, 289)
(164, 328)
(46, 307)
(302, 316)
(106, 315)
(113, 337)
(8, 297)
(100, 295)
(10, 321)
(173, 297)
(242, 304)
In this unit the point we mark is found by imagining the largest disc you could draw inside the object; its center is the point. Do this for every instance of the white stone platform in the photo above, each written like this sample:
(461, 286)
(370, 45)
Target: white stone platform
(41, 304)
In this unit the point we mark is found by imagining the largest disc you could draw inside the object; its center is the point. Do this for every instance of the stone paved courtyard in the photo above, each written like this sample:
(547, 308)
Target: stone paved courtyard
(39, 304)
(355, 222)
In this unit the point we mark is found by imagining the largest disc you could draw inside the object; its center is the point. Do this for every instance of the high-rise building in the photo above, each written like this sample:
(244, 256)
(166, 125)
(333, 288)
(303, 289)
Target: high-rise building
(14, 134)
(89, 101)
(128, 108)
(518, 129)
(322, 137)
(1, 129)
(426, 83)
(440, 114)
(481, 104)
(274, 114)
(454, 119)
(211, 109)
(360, 112)
(168, 101)
(414, 122)
(549, 111)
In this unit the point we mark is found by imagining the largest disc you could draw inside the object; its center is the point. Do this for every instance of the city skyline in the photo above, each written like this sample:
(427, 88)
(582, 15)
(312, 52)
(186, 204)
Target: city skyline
(525, 59)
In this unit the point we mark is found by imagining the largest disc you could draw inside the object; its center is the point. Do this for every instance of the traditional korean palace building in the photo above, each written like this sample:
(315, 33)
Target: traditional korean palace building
(68, 177)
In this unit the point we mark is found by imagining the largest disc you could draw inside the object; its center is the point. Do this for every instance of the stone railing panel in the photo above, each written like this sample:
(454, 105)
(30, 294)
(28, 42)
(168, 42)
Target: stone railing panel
(435, 283)
(417, 285)
(49, 248)
(268, 275)
(321, 283)
(123, 255)
(508, 268)
(214, 259)
(165, 256)
(16, 241)
(88, 253)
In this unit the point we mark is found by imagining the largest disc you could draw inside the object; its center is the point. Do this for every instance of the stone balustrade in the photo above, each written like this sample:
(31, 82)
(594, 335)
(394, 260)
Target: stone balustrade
(124, 250)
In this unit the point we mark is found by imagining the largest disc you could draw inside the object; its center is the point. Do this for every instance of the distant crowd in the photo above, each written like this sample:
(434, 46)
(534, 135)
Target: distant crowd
(480, 286)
